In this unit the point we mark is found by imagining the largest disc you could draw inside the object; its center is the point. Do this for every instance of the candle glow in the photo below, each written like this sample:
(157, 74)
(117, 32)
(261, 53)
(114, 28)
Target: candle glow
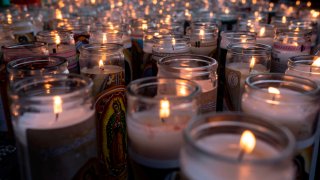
(104, 38)
(58, 40)
(247, 141)
(57, 105)
(316, 63)
(284, 20)
(164, 111)
(101, 65)
(262, 31)
(252, 63)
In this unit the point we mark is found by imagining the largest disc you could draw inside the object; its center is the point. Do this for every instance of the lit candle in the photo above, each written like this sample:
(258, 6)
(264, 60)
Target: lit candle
(212, 151)
(151, 130)
(265, 34)
(59, 130)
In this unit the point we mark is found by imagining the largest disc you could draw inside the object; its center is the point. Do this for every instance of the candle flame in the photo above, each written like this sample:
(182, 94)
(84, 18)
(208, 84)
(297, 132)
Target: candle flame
(227, 11)
(315, 14)
(58, 14)
(173, 41)
(182, 91)
(262, 31)
(284, 19)
(273, 90)
(316, 63)
(58, 40)
(254, 1)
(309, 4)
(144, 26)
(247, 141)
(101, 65)
(57, 104)
(104, 38)
(201, 33)
(298, 3)
(252, 62)
(164, 108)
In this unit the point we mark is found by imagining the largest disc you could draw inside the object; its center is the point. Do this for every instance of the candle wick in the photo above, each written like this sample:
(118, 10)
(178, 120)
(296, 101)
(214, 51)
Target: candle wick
(54, 50)
(163, 120)
(273, 97)
(57, 116)
(250, 70)
(241, 155)
(173, 47)
(311, 69)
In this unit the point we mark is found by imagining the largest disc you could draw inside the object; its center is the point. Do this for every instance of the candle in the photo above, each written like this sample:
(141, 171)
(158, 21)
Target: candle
(290, 101)
(67, 136)
(204, 40)
(307, 66)
(244, 59)
(212, 151)
(151, 130)
(286, 45)
(200, 69)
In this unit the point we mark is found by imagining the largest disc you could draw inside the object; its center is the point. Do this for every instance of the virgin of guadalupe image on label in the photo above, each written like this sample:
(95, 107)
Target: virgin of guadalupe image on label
(112, 134)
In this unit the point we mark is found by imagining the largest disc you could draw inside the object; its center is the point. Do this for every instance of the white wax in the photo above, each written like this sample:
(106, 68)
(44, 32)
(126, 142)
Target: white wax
(199, 166)
(47, 120)
(304, 71)
(205, 51)
(100, 76)
(299, 117)
(156, 143)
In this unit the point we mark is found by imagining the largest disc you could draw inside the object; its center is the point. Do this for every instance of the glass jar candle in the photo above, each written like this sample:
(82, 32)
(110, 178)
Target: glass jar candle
(212, 151)
(290, 101)
(228, 20)
(225, 39)
(306, 26)
(61, 43)
(265, 32)
(19, 69)
(54, 125)
(158, 111)
(204, 40)
(168, 46)
(307, 66)
(244, 59)
(200, 69)
(104, 64)
(286, 45)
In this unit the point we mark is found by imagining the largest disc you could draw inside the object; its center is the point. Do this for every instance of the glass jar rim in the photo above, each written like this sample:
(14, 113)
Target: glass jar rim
(14, 65)
(303, 61)
(135, 85)
(210, 62)
(312, 91)
(98, 49)
(239, 35)
(233, 120)
(250, 49)
(23, 46)
(85, 85)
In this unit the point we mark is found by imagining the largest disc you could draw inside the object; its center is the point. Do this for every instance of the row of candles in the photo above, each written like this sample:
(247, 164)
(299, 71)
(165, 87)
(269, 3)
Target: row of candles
(162, 111)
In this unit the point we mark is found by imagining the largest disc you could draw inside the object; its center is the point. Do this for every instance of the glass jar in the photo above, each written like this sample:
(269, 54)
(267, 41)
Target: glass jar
(15, 51)
(265, 32)
(168, 46)
(290, 101)
(200, 69)
(54, 125)
(104, 64)
(61, 43)
(305, 66)
(158, 111)
(286, 45)
(306, 26)
(23, 31)
(35, 66)
(211, 149)
(204, 40)
(244, 59)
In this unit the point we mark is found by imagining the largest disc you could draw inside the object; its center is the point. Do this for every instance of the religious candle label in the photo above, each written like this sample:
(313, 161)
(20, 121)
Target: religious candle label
(112, 133)
(282, 52)
(60, 153)
(234, 88)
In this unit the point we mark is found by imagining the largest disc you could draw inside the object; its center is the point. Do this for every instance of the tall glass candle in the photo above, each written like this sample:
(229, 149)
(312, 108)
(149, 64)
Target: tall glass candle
(290, 101)
(61, 43)
(158, 111)
(307, 66)
(104, 64)
(227, 38)
(286, 45)
(54, 127)
(244, 59)
(236, 146)
(200, 69)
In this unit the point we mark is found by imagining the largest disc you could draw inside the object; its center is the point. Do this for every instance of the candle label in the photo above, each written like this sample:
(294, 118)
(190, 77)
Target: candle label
(61, 153)
(137, 53)
(112, 133)
(282, 52)
(24, 38)
(233, 89)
